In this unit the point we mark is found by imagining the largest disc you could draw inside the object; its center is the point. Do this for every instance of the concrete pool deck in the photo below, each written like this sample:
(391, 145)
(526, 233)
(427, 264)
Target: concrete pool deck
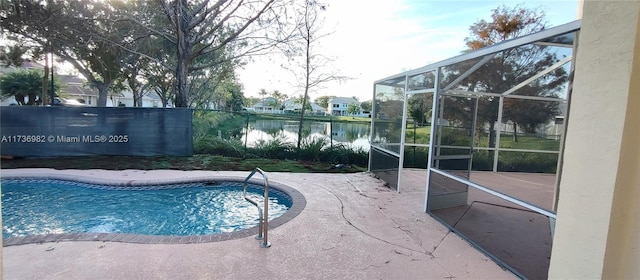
(352, 227)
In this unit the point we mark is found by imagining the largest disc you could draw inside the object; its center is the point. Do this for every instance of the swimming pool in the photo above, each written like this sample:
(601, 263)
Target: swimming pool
(184, 212)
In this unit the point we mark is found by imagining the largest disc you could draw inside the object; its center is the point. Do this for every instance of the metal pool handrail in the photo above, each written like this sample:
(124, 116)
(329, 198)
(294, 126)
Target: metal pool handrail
(263, 225)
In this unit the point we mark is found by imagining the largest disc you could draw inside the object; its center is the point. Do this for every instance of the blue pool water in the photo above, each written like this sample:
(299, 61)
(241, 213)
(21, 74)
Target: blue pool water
(35, 206)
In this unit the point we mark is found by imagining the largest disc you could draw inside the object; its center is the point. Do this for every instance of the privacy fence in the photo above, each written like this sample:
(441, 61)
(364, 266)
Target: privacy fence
(76, 131)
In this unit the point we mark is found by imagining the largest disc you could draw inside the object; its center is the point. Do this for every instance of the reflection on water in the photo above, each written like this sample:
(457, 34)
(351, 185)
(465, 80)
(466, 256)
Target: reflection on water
(355, 135)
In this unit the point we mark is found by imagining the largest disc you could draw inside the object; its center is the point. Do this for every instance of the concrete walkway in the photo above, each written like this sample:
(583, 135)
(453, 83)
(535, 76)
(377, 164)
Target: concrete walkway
(352, 228)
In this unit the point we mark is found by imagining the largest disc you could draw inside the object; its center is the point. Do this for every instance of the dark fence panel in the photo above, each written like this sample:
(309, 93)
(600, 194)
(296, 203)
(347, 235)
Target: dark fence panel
(384, 166)
(76, 131)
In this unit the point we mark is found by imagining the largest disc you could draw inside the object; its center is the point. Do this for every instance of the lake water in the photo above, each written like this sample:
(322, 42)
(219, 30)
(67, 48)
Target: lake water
(355, 135)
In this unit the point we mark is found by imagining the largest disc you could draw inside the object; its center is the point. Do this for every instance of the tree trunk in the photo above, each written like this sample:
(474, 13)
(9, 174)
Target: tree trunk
(181, 85)
(45, 85)
(182, 98)
(304, 103)
(492, 139)
(137, 97)
(103, 93)
(306, 88)
(492, 134)
(515, 132)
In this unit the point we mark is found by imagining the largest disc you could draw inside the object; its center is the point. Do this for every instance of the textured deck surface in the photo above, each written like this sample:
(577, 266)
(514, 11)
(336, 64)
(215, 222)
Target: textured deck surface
(351, 228)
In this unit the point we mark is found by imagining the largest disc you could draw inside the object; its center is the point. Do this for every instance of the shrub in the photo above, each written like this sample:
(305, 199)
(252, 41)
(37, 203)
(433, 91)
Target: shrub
(216, 146)
(528, 162)
(482, 160)
(311, 148)
(341, 153)
(516, 161)
(276, 148)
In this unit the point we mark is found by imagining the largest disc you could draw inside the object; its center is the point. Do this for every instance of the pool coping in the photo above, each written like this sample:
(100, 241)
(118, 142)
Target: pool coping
(297, 199)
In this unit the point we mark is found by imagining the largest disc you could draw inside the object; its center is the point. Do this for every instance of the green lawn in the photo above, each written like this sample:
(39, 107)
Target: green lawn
(417, 134)
(461, 138)
(524, 142)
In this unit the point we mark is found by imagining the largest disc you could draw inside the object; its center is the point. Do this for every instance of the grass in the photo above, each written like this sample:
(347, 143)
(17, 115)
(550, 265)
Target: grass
(529, 143)
(195, 162)
(460, 137)
(418, 133)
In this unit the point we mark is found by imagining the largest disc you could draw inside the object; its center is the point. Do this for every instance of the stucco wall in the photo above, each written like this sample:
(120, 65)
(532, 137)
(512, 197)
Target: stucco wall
(622, 257)
(597, 227)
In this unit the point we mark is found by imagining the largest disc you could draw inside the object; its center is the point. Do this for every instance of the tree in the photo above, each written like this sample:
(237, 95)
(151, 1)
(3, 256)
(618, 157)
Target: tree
(74, 31)
(12, 55)
(504, 71)
(15, 54)
(529, 114)
(212, 87)
(419, 107)
(161, 81)
(236, 104)
(250, 101)
(146, 57)
(353, 109)
(311, 69)
(97, 36)
(22, 84)
(278, 99)
(133, 76)
(300, 100)
(506, 24)
(366, 106)
(206, 33)
(388, 106)
(157, 59)
(228, 95)
(323, 101)
(263, 93)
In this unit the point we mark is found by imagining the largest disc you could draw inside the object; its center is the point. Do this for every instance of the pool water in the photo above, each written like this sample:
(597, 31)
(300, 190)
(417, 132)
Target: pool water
(36, 206)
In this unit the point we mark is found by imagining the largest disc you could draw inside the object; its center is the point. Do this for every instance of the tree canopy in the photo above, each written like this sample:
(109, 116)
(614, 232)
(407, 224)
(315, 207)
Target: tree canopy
(25, 86)
(353, 109)
(77, 31)
(323, 101)
(207, 34)
(109, 41)
(12, 55)
(506, 23)
(503, 71)
(366, 105)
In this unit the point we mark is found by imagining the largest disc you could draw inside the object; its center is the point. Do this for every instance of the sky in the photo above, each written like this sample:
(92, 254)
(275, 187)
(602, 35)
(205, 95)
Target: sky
(372, 40)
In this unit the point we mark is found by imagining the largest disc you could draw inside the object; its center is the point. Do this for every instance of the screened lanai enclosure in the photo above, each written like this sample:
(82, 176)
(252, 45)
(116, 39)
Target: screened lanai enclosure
(484, 133)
